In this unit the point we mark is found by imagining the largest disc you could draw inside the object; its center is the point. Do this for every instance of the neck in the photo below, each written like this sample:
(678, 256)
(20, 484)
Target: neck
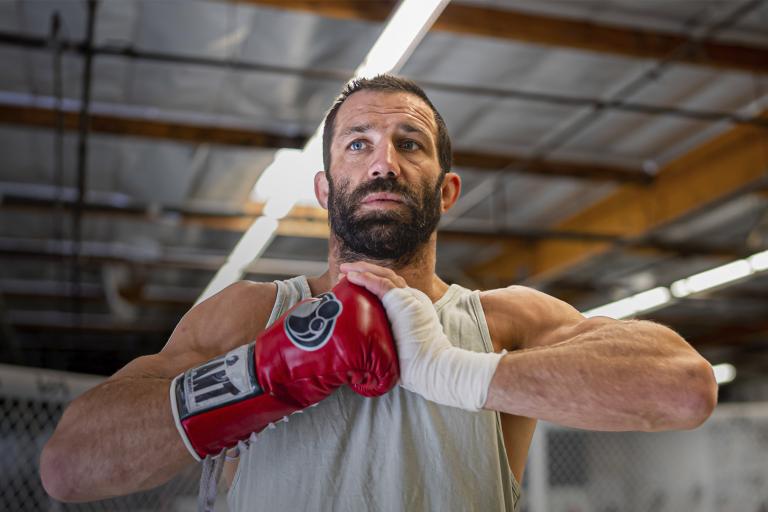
(418, 271)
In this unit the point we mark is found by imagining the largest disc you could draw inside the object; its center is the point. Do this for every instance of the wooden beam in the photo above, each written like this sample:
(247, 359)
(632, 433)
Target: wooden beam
(367, 10)
(101, 253)
(105, 323)
(547, 30)
(149, 128)
(513, 163)
(713, 171)
(303, 228)
(42, 290)
(202, 134)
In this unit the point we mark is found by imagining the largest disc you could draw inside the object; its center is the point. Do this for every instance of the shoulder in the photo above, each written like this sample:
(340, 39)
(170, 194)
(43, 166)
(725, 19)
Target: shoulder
(521, 317)
(232, 317)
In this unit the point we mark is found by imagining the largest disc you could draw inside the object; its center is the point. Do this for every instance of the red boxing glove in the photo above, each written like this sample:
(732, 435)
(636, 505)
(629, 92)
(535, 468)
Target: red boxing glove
(341, 337)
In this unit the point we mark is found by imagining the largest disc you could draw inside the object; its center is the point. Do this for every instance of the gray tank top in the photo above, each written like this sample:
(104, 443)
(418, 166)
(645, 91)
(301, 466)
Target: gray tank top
(397, 452)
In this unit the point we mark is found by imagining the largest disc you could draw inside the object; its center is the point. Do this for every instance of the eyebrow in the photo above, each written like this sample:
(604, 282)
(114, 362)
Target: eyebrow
(409, 128)
(362, 128)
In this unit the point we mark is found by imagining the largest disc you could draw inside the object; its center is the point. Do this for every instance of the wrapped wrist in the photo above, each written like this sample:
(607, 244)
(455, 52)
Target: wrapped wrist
(430, 364)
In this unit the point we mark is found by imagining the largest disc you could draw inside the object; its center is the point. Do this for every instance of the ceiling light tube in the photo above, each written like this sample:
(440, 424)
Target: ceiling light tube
(759, 261)
(680, 288)
(712, 278)
(630, 306)
(250, 246)
(724, 373)
(400, 36)
(619, 309)
(657, 297)
(651, 299)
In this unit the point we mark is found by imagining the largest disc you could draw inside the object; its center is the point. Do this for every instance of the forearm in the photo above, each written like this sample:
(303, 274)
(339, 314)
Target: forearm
(611, 376)
(116, 439)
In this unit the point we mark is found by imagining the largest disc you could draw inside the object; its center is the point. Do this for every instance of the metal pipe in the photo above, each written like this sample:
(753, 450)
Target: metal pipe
(82, 153)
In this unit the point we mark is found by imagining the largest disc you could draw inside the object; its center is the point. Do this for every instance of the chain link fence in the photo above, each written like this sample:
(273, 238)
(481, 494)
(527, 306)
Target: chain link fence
(31, 403)
(719, 467)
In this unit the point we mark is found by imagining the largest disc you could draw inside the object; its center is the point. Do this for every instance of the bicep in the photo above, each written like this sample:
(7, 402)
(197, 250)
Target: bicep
(163, 365)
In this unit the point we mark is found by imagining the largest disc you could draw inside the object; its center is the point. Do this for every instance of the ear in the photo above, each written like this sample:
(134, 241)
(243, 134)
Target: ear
(450, 191)
(321, 189)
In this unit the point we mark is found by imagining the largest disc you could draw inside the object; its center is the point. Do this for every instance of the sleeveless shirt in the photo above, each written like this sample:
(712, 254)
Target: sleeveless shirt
(397, 452)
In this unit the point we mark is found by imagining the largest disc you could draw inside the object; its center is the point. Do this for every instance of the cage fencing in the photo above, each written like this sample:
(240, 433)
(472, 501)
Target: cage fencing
(720, 467)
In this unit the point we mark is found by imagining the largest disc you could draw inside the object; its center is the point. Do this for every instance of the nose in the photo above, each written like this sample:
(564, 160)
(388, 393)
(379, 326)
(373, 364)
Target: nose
(384, 162)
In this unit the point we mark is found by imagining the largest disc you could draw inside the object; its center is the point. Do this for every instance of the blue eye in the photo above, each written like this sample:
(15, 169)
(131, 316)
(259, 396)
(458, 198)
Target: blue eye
(356, 145)
(409, 145)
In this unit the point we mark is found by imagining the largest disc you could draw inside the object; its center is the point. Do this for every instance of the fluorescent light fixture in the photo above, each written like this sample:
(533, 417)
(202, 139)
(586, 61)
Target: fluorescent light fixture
(651, 299)
(639, 303)
(620, 309)
(288, 180)
(250, 246)
(759, 261)
(712, 278)
(719, 275)
(278, 207)
(277, 175)
(400, 37)
(680, 288)
(724, 373)
(657, 297)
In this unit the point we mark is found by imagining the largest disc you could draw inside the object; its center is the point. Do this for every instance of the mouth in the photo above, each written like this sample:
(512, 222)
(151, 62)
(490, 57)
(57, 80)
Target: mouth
(382, 198)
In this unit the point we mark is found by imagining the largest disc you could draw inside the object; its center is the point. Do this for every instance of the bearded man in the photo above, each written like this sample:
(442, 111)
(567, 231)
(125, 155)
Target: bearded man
(475, 369)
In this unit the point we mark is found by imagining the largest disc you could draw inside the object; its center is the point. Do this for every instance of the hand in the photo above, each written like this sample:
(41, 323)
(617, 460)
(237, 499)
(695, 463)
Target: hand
(415, 325)
(376, 279)
(430, 364)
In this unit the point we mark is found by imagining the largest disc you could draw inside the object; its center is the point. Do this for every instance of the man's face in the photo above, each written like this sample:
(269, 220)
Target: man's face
(385, 181)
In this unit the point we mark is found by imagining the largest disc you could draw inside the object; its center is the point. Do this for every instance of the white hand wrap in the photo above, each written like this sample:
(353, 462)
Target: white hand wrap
(429, 364)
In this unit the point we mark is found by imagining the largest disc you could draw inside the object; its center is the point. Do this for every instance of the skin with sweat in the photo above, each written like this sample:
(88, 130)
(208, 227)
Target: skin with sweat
(597, 373)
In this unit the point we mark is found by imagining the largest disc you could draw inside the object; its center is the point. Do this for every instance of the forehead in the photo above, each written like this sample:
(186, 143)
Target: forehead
(383, 108)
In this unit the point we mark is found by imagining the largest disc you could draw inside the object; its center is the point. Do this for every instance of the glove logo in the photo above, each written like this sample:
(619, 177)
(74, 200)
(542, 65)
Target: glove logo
(220, 381)
(310, 325)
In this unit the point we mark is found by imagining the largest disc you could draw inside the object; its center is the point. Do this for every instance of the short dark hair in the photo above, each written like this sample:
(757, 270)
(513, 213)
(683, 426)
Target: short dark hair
(386, 83)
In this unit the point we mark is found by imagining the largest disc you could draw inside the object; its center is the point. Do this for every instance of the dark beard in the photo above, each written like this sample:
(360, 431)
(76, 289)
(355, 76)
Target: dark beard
(392, 235)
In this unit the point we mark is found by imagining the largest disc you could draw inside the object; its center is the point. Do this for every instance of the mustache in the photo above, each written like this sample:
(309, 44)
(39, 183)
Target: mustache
(384, 185)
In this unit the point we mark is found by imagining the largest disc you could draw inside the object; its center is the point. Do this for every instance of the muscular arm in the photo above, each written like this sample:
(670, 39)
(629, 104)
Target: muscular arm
(120, 436)
(599, 373)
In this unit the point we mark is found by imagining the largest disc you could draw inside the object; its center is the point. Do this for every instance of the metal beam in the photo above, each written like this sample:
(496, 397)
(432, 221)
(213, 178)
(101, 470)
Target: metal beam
(547, 30)
(728, 164)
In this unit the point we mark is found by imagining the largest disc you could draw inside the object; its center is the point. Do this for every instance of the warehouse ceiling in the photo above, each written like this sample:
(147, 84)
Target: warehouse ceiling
(606, 147)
